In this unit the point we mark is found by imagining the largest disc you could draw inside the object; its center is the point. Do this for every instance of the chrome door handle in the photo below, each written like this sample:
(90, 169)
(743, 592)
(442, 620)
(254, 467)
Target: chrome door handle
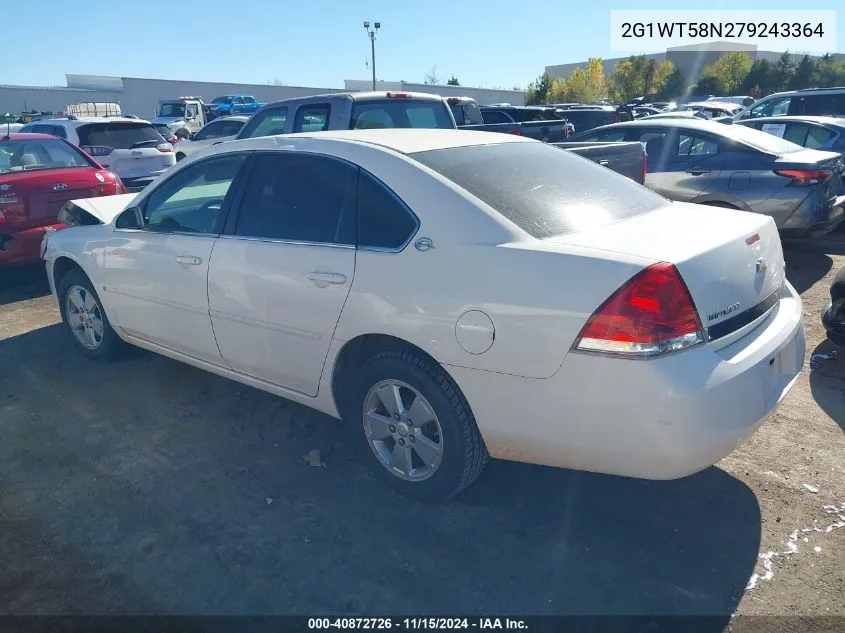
(604, 163)
(188, 260)
(322, 280)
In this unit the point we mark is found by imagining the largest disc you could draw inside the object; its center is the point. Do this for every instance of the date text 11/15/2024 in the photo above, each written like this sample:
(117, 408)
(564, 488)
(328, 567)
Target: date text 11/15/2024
(417, 624)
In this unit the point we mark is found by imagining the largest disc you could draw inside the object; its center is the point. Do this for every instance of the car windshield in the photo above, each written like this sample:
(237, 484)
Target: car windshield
(401, 113)
(222, 100)
(762, 141)
(39, 154)
(172, 109)
(542, 189)
(118, 135)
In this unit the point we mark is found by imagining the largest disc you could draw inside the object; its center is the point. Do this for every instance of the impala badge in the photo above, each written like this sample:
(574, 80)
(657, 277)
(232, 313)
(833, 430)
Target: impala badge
(723, 312)
(60, 187)
(762, 266)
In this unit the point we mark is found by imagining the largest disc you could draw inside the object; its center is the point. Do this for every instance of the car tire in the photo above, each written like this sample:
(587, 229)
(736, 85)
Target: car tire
(79, 303)
(440, 450)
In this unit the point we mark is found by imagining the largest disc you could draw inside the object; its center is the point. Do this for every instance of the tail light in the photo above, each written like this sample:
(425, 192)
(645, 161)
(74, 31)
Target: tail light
(517, 132)
(98, 150)
(119, 186)
(804, 177)
(652, 314)
(173, 140)
(398, 95)
(12, 208)
(645, 164)
(164, 148)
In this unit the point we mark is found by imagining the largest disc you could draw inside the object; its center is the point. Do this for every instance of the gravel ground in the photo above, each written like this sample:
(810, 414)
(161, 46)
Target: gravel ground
(148, 486)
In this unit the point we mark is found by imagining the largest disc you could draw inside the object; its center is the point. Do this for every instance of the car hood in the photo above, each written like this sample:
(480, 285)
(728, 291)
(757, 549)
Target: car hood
(105, 208)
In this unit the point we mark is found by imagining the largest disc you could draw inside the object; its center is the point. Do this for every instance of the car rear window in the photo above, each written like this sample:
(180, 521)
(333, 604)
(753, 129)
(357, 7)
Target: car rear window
(39, 154)
(588, 119)
(544, 190)
(533, 114)
(401, 113)
(760, 140)
(117, 135)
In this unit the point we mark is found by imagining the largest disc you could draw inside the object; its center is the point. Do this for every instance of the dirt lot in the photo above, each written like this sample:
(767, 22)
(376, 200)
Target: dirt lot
(150, 487)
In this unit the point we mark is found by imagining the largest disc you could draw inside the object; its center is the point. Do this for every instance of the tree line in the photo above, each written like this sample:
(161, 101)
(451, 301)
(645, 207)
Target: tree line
(734, 73)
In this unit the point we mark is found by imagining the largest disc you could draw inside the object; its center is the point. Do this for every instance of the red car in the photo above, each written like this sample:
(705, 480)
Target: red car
(38, 174)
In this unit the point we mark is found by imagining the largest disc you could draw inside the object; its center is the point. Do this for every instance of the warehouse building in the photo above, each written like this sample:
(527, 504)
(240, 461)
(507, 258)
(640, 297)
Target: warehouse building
(691, 59)
(141, 97)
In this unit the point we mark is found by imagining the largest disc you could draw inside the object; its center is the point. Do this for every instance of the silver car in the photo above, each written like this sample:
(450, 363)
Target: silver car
(735, 166)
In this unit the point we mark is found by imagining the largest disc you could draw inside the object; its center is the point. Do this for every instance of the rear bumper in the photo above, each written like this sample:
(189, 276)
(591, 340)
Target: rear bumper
(22, 246)
(834, 327)
(814, 220)
(653, 419)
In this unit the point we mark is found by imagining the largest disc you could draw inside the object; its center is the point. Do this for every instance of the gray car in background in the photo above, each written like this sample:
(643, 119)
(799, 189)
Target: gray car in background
(814, 132)
(734, 166)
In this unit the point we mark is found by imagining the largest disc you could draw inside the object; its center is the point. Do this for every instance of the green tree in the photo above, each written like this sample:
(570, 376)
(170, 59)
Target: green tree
(785, 67)
(675, 85)
(649, 74)
(802, 76)
(763, 76)
(725, 75)
(453, 81)
(538, 90)
(828, 72)
(626, 81)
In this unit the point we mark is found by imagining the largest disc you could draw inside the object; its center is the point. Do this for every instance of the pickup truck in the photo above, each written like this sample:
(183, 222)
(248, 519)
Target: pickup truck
(626, 158)
(184, 116)
(534, 122)
(350, 111)
(229, 105)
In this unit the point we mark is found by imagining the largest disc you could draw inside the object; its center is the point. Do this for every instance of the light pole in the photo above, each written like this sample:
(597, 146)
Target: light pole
(372, 33)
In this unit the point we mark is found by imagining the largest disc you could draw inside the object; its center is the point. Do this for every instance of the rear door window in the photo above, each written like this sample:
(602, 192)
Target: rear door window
(212, 130)
(384, 222)
(822, 105)
(300, 197)
(690, 146)
(494, 116)
(401, 113)
(266, 123)
(312, 118)
(230, 128)
(118, 135)
(777, 106)
(522, 181)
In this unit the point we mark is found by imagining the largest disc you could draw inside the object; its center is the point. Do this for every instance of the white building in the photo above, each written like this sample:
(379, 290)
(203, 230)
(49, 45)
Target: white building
(141, 97)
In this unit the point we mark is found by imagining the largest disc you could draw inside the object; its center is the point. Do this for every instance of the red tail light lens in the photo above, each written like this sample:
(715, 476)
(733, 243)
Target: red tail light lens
(398, 95)
(517, 131)
(12, 210)
(652, 314)
(804, 177)
(645, 164)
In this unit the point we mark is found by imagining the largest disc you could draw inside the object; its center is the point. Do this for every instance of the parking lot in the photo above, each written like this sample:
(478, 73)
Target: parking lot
(148, 486)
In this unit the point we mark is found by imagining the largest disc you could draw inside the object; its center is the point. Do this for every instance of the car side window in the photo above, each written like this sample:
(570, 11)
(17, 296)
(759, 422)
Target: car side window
(266, 123)
(312, 118)
(772, 107)
(610, 136)
(383, 220)
(494, 116)
(299, 197)
(696, 146)
(191, 201)
(230, 128)
(212, 130)
(249, 100)
(238, 100)
(192, 110)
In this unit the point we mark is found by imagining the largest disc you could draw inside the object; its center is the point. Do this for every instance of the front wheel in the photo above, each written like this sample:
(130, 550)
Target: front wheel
(86, 319)
(416, 427)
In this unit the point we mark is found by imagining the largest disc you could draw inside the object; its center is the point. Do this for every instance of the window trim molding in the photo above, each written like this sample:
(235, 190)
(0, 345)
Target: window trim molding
(402, 203)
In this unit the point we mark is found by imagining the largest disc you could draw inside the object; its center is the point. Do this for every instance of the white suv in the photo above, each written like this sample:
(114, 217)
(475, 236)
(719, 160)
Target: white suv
(131, 148)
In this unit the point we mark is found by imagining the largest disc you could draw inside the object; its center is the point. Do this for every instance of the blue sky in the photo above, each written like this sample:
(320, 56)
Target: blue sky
(489, 43)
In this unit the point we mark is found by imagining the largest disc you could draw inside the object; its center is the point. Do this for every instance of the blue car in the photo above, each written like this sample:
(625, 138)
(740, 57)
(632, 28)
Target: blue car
(228, 105)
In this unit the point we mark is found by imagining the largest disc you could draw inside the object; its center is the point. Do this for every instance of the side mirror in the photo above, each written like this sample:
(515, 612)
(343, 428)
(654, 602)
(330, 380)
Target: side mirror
(129, 219)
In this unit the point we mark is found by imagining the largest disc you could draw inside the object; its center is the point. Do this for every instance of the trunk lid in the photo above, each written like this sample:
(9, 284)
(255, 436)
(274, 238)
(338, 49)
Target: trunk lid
(831, 188)
(731, 261)
(34, 200)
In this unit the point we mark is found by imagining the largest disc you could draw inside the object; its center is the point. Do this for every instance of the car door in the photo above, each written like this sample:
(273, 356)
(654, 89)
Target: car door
(207, 135)
(687, 164)
(279, 277)
(156, 275)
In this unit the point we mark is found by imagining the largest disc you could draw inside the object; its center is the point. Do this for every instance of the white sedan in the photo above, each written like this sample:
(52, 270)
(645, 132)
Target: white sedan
(218, 131)
(452, 295)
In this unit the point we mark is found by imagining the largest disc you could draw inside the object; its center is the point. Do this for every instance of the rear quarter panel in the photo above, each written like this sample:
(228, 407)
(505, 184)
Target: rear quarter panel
(538, 294)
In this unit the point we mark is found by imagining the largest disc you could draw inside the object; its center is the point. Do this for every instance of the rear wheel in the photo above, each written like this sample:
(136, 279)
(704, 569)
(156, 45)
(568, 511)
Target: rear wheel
(86, 319)
(415, 426)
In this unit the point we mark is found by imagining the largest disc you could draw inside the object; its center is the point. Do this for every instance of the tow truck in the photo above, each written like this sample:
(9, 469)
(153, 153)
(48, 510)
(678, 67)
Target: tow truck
(184, 116)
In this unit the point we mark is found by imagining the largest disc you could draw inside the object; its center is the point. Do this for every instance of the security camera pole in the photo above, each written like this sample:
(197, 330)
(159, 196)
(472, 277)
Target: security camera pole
(372, 33)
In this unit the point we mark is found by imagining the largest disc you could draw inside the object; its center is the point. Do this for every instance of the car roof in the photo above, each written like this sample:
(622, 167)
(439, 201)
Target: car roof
(356, 96)
(234, 117)
(402, 140)
(705, 125)
(824, 120)
(26, 136)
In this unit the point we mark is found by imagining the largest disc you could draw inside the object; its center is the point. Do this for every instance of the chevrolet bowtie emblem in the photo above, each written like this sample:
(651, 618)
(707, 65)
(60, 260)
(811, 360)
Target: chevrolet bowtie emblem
(762, 265)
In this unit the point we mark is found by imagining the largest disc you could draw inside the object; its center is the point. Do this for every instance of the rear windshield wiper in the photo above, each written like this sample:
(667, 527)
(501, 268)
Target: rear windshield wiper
(151, 141)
